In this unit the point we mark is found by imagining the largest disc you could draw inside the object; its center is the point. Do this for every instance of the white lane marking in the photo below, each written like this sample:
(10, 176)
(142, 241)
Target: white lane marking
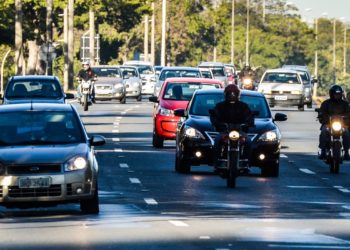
(306, 171)
(123, 113)
(115, 131)
(283, 156)
(338, 186)
(118, 118)
(151, 201)
(115, 139)
(204, 237)
(344, 190)
(73, 101)
(137, 106)
(124, 165)
(178, 223)
(116, 123)
(119, 150)
(345, 215)
(309, 246)
(307, 187)
(222, 249)
(135, 181)
(346, 207)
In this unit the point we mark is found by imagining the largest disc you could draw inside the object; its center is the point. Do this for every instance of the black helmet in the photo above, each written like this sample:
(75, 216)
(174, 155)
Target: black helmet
(232, 92)
(335, 89)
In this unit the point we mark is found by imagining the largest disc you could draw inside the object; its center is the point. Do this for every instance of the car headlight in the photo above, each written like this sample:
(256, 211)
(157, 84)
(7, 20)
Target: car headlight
(266, 91)
(272, 135)
(234, 135)
(296, 92)
(307, 90)
(336, 126)
(76, 163)
(166, 112)
(118, 85)
(193, 133)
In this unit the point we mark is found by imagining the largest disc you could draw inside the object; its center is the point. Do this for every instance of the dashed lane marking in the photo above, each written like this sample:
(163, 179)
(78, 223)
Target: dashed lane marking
(135, 181)
(115, 131)
(115, 139)
(119, 150)
(338, 187)
(116, 123)
(151, 201)
(344, 190)
(204, 237)
(124, 165)
(283, 156)
(123, 113)
(309, 246)
(306, 171)
(178, 223)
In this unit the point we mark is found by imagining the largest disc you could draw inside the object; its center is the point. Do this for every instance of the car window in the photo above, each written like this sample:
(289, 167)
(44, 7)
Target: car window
(201, 104)
(304, 76)
(129, 72)
(107, 72)
(145, 69)
(206, 74)
(275, 77)
(218, 71)
(39, 127)
(184, 91)
(34, 89)
(179, 73)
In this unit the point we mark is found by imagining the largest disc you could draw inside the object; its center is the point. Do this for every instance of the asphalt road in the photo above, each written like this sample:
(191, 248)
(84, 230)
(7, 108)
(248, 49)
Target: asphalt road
(145, 204)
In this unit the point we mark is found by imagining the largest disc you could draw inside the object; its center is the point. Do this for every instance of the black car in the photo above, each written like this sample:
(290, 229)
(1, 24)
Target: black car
(195, 136)
(46, 157)
(34, 88)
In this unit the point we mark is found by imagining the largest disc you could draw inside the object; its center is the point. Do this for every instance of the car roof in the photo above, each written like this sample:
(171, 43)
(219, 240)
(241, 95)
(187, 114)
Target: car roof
(128, 66)
(136, 62)
(211, 64)
(105, 66)
(36, 107)
(180, 68)
(192, 79)
(296, 67)
(34, 77)
(221, 91)
(280, 70)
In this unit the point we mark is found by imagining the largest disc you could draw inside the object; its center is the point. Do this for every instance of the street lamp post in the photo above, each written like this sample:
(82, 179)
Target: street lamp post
(247, 37)
(334, 54)
(344, 65)
(233, 32)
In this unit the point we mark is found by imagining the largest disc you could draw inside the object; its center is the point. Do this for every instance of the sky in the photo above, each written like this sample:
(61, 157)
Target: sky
(311, 9)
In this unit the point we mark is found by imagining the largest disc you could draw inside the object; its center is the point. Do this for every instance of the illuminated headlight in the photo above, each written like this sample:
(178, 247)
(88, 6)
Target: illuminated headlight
(336, 126)
(296, 92)
(193, 133)
(76, 163)
(247, 81)
(271, 136)
(166, 112)
(118, 85)
(307, 90)
(233, 135)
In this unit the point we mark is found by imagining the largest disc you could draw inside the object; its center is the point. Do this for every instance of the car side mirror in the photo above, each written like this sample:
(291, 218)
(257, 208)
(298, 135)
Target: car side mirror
(280, 117)
(69, 96)
(181, 112)
(97, 140)
(153, 99)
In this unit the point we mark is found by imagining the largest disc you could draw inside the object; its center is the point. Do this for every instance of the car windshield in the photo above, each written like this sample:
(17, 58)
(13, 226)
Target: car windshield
(184, 91)
(34, 89)
(145, 69)
(206, 74)
(218, 71)
(107, 72)
(129, 72)
(39, 128)
(201, 104)
(304, 76)
(276, 77)
(178, 73)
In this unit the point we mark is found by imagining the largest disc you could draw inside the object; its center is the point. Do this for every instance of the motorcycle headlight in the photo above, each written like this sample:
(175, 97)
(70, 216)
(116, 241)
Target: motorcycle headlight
(76, 163)
(166, 112)
(234, 135)
(270, 136)
(336, 126)
(118, 85)
(247, 81)
(193, 133)
(307, 90)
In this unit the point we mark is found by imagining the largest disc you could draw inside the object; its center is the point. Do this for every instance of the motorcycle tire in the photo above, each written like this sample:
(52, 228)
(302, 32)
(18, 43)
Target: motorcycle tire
(86, 104)
(336, 159)
(232, 162)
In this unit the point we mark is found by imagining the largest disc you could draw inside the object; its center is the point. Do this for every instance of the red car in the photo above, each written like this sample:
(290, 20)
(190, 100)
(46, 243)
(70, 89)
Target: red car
(175, 93)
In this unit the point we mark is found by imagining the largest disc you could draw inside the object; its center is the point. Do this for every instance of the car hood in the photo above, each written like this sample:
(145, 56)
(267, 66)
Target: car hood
(279, 87)
(56, 154)
(33, 100)
(170, 104)
(131, 80)
(108, 80)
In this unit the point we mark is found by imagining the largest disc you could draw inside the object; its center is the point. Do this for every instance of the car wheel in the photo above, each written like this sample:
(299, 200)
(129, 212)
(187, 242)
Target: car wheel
(157, 141)
(301, 108)
(139, 98)
(90, 206)
(123, 100)
(181, 165)
(270, 170)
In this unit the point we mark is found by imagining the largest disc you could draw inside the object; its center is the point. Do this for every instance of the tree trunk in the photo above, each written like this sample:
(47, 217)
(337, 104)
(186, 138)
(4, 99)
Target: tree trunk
(19, 38)
(33, 49)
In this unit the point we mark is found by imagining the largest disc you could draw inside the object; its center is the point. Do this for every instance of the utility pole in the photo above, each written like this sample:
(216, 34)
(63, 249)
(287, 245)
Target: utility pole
(145, 40)
(153, 35)
(264, 11)
(19, 38)
(92, 36)
(70, 44)
(233, 32)
(344, 65)
(316, 58)
(65, 49)
(162, 57)
(49, 9)
(334, 54)
(247, 37)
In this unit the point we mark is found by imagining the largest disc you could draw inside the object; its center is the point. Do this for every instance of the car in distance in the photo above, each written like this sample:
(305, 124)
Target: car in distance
(283, 87)
(46, 157)
(217, 69)
(132, 80)
(34, 88)
(174, 94)
(168, 72)
(195, 135)
(109, 84)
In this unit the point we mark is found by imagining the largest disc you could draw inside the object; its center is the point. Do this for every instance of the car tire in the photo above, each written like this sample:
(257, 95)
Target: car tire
(90, 206)
(123, 100)
(139, 98)
(181, 165)
(270, 170)
(301, 107)
(157, 141)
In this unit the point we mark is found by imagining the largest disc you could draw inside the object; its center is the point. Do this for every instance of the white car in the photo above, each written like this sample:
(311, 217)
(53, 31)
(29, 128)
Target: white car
(132, 82)
(147, 74)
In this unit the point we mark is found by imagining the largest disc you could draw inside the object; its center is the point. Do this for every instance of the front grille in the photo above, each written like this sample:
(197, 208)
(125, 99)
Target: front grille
(33, 169)
(69, 189)
(104, 87)
(1, 194)
(280, 92)
(212, 135)
(16, 192)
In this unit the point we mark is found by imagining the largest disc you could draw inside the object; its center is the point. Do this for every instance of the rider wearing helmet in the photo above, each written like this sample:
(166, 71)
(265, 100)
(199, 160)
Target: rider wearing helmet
(335, 105)
(231, 110)
(86, 74)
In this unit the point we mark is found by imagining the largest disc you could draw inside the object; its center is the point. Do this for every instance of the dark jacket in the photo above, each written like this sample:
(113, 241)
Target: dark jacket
(226, 112)
(86, 74)
(332, 107)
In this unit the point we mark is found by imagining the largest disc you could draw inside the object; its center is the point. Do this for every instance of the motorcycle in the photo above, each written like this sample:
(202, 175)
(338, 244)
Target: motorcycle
(85, 89)
(233, 140)
(247, 83)
(334, 154)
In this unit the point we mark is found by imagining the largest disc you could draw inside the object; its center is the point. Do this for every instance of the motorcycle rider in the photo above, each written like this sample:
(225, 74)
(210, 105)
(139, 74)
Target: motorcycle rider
(335, 105)
(86, 74)
(231, 110)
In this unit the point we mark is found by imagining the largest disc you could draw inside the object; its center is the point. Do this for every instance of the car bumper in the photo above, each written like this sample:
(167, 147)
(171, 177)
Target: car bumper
(166, 126)
(111, 95)
(285, 100)
(133, 92)
(70, 186)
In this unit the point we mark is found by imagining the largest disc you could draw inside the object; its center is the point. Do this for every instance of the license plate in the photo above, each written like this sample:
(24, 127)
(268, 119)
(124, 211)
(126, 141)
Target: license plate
(34, 182)
(281, 97)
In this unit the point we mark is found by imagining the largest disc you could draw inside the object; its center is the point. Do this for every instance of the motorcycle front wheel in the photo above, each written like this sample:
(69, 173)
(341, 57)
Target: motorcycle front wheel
(232, 163)
(86, 104)
(335, 161)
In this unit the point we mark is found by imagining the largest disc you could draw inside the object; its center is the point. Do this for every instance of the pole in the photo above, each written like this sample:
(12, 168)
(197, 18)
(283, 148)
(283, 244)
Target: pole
(65, 48)
(247, 37)
(49, 9)
(334, 54)
(70, 44)
(233, 32)
(145, 40)
(153, 35)
(92, 36)
(2, 72)
(264, 13)
(162, 57)
(316, 58)
(19, 38)
(344, 65)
